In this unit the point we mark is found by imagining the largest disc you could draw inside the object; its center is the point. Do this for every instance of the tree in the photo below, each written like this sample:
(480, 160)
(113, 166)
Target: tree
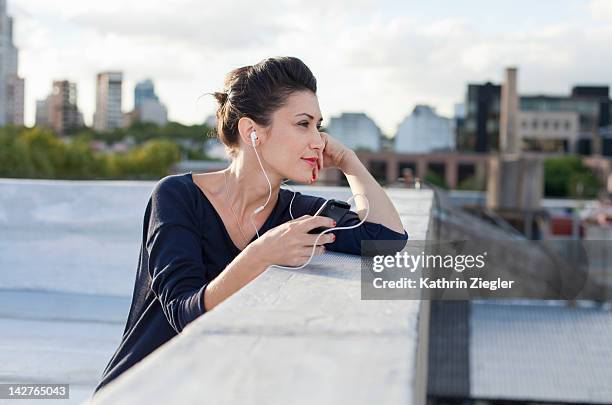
(45, 152)
(568, 176)
(435, 179)
(40, 153)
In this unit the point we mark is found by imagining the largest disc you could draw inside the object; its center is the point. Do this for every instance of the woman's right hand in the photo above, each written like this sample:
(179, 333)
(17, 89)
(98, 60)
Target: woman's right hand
(290, 244)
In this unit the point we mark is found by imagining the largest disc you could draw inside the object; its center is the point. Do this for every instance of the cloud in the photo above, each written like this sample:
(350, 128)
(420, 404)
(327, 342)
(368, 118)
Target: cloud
(367, 56)
(214, 26)
(432, 63)
(601, 10)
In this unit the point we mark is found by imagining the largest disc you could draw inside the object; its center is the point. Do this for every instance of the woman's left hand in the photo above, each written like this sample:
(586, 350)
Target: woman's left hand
(331, 155)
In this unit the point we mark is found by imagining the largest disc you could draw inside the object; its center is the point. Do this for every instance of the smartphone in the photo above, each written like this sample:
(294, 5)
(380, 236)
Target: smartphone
(334, 209)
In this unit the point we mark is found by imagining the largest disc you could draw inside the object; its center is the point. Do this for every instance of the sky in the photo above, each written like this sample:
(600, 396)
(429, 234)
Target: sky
(377, 57)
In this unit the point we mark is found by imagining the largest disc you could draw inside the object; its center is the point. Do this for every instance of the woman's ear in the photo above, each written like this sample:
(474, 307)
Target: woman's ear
(246, 127)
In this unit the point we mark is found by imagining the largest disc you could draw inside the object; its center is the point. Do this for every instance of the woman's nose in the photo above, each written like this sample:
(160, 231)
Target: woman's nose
(318, 142)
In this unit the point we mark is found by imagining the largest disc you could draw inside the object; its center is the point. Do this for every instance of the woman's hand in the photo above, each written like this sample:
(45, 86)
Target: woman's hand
(332, 154)
(290, 244)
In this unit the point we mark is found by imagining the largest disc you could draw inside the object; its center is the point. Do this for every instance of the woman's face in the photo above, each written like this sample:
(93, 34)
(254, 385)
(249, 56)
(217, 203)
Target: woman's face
(294, 138)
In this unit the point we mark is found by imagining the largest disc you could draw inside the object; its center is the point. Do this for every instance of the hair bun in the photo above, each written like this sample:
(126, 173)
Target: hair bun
(221, 97)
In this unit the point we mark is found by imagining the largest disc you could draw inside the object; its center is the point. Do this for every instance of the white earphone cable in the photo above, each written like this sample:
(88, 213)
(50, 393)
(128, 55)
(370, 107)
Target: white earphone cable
(329, 230)
(291, 202)
(253, 138)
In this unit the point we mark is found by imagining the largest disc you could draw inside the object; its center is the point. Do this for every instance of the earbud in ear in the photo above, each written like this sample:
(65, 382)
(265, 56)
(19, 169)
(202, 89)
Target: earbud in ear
(254, 138)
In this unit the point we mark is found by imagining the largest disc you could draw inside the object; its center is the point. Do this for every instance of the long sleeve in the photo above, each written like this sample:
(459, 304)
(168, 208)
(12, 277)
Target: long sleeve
(349, 240)
(178, 274)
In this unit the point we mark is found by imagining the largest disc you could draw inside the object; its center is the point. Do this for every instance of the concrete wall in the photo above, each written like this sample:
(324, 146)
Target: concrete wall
(301, 336)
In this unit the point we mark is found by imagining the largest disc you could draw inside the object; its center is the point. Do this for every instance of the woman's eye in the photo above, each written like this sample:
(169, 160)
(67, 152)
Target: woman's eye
(305, 125)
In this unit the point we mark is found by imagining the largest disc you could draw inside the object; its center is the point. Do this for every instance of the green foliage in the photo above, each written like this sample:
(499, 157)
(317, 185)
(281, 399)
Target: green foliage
(39, 153)
(472, 183)
(149, 161)
(569, 177)
(435, 179)
(142, 132)
(79, 161)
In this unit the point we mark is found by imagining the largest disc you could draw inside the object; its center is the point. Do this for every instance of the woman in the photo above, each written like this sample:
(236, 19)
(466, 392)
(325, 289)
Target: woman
(199, 244)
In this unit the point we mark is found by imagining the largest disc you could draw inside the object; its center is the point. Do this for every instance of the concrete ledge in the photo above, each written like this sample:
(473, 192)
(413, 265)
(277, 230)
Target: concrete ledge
(301, 336)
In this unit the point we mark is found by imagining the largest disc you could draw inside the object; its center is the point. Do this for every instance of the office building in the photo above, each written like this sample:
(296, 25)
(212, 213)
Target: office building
(356, 131)
(147, 107)
(59, 110)
(480, 130)
(11, 85)
(108, 115)
(424, 131)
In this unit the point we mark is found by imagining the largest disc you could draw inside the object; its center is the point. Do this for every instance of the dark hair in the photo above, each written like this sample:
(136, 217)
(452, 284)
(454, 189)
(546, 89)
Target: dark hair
(256, 92)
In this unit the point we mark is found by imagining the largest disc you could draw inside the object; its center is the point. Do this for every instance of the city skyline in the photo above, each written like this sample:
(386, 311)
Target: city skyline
(411, 54)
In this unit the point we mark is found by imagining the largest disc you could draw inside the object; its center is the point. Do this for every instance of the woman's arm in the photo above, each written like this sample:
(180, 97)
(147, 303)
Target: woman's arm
(288, 244)
(382, 210)
(245, 267)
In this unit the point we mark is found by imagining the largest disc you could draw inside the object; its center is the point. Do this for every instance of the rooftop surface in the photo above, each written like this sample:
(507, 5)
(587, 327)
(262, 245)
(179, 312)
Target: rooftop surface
(541, 351)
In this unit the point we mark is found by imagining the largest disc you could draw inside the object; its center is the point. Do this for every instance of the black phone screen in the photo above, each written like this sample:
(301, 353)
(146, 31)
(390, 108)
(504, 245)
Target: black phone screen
(334, 209)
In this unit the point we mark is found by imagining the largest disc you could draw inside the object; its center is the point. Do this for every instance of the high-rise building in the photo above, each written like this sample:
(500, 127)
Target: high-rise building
(60, 110)
(15, 88)
(153, 111)
(480, 130)
(42, 113)
(11, 85)
(147, 107)
(144, 90)
(424, 131)
(356, 131)
(108, 113)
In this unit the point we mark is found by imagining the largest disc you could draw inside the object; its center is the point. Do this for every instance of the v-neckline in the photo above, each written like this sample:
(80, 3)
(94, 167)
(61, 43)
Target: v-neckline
(220, 219)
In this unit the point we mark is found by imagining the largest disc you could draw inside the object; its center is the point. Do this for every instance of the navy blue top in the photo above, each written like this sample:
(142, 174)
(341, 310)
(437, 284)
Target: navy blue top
(185, 245)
